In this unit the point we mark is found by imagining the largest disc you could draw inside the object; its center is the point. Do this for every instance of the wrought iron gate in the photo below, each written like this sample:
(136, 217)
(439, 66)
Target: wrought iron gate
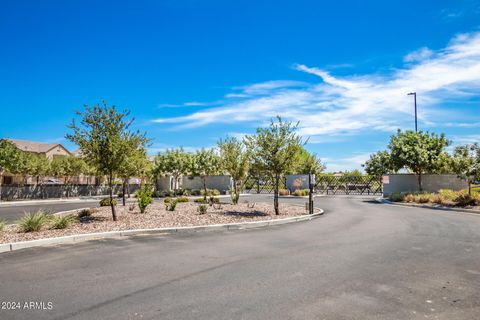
(351, 185)
(262, 185)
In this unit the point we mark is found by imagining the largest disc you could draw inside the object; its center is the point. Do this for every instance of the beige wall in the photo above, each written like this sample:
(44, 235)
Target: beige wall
(57, 151)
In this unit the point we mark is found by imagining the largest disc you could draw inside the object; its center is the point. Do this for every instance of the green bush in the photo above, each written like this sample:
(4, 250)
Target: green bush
(33, 221)
(200, 200)
(448, 194)
(84, 213)
(196, 192)
(144, 198)
(464, 200)
(202, 209)
(62, 222)
(301, 193)
(396, 196)
(105, 202)
(283, 192)
(170, 206)
(210, 192)
(182, 199)
(2, 225)
(181, 192)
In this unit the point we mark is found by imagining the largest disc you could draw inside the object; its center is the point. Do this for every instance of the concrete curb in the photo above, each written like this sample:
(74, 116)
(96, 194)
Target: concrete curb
(4, 204)
(416, 205)
(7, 247)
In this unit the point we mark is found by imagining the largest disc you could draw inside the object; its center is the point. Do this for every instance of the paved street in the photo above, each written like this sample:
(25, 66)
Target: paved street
(13, 213)
(361, 260)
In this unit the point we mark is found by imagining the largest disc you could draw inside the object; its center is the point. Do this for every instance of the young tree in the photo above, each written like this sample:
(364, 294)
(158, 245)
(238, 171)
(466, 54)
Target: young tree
(205, 163)
(105, 138)
(234, 160)
(68, 167)
(466, 163)
(135, 166)
(307, 163)
(417, 151)
(273, 151)
(9, 155)
(175, 162)
(380, 163)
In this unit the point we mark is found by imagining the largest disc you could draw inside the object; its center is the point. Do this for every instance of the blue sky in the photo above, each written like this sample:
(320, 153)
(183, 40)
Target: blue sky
(192, 72)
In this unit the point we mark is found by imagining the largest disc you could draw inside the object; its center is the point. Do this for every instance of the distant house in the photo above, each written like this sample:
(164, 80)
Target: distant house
(50, 150)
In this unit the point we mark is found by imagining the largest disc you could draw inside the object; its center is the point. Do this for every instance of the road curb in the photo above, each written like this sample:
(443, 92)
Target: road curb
(416, 205)
(8, 247)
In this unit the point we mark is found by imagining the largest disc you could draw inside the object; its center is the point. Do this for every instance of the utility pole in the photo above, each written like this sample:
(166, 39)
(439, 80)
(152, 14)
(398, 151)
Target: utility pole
(414, 94)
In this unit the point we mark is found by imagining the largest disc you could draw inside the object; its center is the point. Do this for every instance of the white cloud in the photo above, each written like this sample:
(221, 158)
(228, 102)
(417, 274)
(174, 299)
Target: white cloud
(348, 163)
(419, 55)
(349, 104)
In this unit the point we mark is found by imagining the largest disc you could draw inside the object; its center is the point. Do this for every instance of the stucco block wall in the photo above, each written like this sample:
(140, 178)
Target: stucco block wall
(430, 183)
(221, 183)
(164, 183)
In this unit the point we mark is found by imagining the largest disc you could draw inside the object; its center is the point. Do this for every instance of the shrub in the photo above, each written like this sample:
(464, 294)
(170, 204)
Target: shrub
(167, 200)
(396, 196)
(301, 193)
(196, 192)
(180, 192)
(2, 225)
(464, 200)
(423, 198)
(144, 198)
(105, 202)
(200, 200)
(448, 194)
(202, 209)
(84, 213)
(33, 221)
(170, 206)
(283, 192)
(62, 222)
(214, 200)
(182, 199)
(210, 192)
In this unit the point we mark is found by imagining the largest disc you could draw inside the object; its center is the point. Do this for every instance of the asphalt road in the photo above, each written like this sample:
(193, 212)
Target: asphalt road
(12, 213)
(361, 260)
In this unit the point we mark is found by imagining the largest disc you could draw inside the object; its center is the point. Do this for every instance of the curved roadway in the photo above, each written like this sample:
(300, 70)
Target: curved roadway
(361, 260)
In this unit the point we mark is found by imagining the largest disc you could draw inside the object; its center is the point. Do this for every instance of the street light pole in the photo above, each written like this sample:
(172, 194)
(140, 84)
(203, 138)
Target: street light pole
(414, 94)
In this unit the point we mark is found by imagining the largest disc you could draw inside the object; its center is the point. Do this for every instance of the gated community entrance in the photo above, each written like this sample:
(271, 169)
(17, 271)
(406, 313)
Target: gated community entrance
(323, 184)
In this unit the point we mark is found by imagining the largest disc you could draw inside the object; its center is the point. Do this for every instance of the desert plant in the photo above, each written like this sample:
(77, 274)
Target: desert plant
(144, 198)
(396, 196)
(182, 199)
(213, 200)
(464, 200)
(131, 207)
(283, 192)
(170, 206)
(84, 213)
(301, 193)
(106, 202)
(202, 209)
(448, 194)
(33, 221)
(423, 198)
(62, 222)
(196, 192)
(167, 200)
(200, 200)
(210, 192)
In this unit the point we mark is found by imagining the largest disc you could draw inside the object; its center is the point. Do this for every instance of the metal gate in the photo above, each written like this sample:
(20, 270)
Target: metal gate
(348, 185)
(262, 185)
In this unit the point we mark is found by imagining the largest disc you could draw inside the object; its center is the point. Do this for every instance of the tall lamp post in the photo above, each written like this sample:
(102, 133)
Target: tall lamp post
(414, 94)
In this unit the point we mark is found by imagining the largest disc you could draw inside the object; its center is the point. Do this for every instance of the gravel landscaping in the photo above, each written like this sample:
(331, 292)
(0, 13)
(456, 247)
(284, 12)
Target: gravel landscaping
(156, 216)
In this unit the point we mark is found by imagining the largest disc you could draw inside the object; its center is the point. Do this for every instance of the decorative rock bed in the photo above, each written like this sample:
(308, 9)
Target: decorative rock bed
(156, 216)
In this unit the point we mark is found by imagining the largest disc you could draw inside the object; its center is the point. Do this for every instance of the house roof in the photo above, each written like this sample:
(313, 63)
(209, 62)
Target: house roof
(33, 146)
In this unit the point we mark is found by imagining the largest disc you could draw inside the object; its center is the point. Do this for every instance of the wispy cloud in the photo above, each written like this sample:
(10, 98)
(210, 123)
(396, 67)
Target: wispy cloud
(349, 104)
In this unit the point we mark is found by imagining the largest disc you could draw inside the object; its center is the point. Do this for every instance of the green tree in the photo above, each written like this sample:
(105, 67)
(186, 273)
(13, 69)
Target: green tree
(9, 155)
(307, 163)
(234, 160)
(105, 138)
(273, 151)
(67, 168)
(205, 163)
(174, 162)
(135, 166)
(466, 163)
(380, 163)
(417, 151)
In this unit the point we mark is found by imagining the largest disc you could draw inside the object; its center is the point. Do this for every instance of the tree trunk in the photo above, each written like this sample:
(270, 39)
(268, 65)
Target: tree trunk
(205, 187)
(235, 192)
(1, 183)
(275, 195)
(469, 187)
(124, 191)
(420, 188)
(110, 191)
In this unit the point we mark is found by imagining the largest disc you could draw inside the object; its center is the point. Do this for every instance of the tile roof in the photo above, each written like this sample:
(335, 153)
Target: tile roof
(32, 146)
